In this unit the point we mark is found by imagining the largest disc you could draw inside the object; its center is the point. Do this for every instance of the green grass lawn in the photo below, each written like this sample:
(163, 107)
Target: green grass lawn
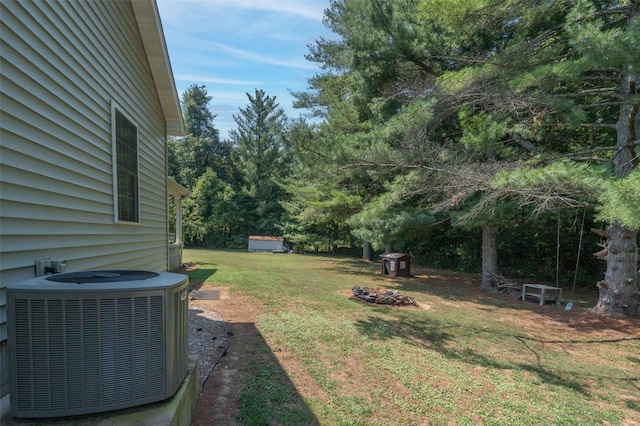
(463, 357)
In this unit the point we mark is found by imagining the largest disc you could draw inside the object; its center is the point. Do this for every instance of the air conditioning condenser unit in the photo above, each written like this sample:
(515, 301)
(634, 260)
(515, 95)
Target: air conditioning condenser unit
(93, 341)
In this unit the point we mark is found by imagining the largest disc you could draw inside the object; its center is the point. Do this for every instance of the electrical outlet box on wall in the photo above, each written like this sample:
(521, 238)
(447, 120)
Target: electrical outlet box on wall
(41, 263)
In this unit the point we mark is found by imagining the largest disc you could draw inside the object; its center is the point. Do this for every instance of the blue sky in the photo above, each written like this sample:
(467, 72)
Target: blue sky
(236, 46)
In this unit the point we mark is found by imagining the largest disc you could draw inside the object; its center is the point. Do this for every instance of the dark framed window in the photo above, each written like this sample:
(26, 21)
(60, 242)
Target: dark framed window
(126, 168)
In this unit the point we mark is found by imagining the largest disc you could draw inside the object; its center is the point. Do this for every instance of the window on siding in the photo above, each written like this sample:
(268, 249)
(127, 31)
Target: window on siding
(126, 159)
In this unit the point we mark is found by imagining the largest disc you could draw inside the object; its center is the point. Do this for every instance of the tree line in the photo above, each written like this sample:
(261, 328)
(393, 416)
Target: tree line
(485, 135)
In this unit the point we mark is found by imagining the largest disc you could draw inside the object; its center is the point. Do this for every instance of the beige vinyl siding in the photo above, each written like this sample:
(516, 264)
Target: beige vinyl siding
(62, 65)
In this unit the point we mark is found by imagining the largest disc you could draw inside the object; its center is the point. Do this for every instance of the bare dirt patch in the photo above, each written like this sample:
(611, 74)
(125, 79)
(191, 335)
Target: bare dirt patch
(218, 402)
(223, 334)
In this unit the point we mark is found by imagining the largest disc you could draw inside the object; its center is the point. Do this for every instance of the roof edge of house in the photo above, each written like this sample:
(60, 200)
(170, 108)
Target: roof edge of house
(150, 28)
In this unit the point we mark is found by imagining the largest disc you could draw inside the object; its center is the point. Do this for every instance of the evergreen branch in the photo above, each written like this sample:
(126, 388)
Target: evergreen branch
(598, 159)
(545, 35)
(598, 149)
(615, 23)
(582, 155)
(397, 166)
(607, 69)
(312, 151)
(464, 60)
(374, 165)
(526, 144)
(599, 125)
(528, 197)
(622, 10)
(604, 91)
(612, 79)
(598, 90)
(601, 104)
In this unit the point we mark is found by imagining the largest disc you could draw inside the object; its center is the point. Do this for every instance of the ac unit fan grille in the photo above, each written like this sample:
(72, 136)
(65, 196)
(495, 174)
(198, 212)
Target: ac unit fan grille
(93, 277)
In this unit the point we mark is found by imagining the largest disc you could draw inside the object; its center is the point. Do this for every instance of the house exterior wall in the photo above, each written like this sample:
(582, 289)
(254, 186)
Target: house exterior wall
(62, 66)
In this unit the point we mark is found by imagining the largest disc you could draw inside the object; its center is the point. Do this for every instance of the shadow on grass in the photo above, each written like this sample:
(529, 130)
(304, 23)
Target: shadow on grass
(199, 276)
(356, 267)
(419, 332)
(434, 335)
(586, 321)
(266, 395)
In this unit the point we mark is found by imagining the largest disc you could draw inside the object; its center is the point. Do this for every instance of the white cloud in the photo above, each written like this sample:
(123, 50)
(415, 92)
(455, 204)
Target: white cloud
(301, 63)
(217, 80)
(234, 99)
(308, 9)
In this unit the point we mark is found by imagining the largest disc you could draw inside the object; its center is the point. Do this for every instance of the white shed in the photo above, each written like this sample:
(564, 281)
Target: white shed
(266, 243)
(88, 98)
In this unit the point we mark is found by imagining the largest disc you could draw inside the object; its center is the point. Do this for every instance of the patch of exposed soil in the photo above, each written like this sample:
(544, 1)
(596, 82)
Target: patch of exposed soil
(218, 402)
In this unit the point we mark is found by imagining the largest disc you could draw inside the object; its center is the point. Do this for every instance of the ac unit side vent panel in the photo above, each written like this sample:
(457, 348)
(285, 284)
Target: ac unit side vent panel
(88, 352)
(180, 336)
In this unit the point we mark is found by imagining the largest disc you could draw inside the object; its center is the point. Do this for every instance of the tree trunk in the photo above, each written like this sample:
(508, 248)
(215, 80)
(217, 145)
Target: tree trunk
(489, 254)
(619, 293)
(388, 248)
(367, 251)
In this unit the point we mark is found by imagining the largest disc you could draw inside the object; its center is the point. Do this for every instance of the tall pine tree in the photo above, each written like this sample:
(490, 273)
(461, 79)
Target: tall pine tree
(263, 160)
